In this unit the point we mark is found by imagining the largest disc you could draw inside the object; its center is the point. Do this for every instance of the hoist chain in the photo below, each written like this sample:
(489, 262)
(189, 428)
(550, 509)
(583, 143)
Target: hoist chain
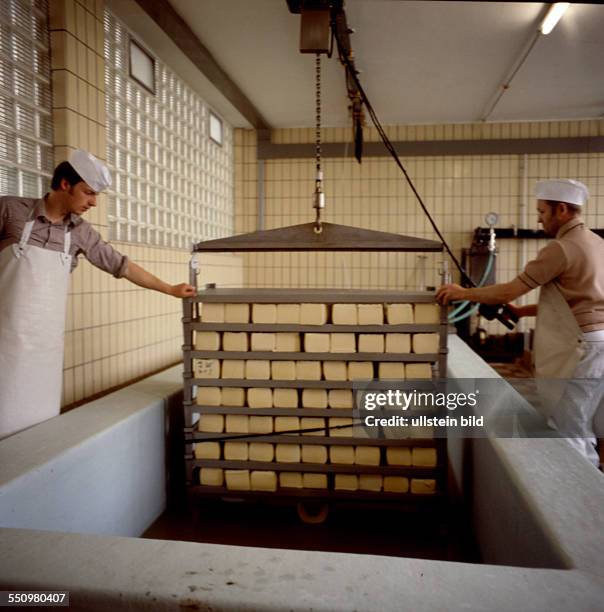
(319, 202)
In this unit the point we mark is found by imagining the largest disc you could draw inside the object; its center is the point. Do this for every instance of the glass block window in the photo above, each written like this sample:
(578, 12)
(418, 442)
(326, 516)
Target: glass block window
(26, 156)
(172, 185)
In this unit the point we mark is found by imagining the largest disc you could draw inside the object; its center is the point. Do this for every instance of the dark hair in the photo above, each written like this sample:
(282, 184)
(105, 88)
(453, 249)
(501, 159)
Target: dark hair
(64, 171)
(553, 204)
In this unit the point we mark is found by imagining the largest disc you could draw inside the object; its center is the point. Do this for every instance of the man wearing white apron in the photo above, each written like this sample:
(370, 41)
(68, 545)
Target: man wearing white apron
(569, 334)
(40, 241)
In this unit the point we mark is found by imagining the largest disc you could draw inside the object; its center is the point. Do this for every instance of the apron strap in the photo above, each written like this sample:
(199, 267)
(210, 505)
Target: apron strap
(26, 233)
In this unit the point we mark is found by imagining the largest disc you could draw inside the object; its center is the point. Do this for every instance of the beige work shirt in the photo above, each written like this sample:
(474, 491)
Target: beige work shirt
(575, 261)
(85, 240)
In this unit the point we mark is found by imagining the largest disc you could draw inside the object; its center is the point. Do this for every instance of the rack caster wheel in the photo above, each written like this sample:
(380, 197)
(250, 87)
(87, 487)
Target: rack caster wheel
(312, 513)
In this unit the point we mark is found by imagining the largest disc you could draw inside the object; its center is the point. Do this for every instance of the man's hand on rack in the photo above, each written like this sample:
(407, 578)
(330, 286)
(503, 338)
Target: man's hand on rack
(183, 290)
(450, 292)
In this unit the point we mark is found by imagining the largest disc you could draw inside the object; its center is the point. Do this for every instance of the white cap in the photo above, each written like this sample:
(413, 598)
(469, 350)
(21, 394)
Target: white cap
(562, 190)
(94, 172)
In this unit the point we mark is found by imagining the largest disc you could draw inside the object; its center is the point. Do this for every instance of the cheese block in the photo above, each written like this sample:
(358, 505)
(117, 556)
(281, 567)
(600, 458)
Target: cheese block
(371, 314)
(236, 451)
(399, 314)
(233, 396)
(423, 486)
(235, 341)
(257, 369)
(343, 454)
(424, 457)
(261, 480)
(207, 450)
(313, 314)
(209, 396)
(237, 480)
(285, 398)
(426, 432)
(398, 343)
(313, 423)
(264, 313)
(287, 453)
(260, 397)
(211, 477)
(427, 314)
(396, 484)
(287, 342)
(211, 423)
(206, 368)
(283, 370)
(344, 314)
(398, 455)
(314, 481)
(346, 482)
(340, 432)
(371, 343)
(418, 370)
(288, 314)
(236, 313)
(342, 343)
(287, 423)
(237, 423)
(261, 341)
(290, 480)
(340, 398)
(207, 341)
(261, 424)
(233, 368)
(335, 370)
(367, 455)
(314, 453)
(212, 313)
(261, 451)
(391, 370)
(316, 343)
(360, 370)
(370, 482)
(308, 370)
(314, 398)
(425, 343)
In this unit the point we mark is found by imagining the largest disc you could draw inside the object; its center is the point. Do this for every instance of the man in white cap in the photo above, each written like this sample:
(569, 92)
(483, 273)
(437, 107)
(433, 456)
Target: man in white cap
(40, 241)
(569, 334)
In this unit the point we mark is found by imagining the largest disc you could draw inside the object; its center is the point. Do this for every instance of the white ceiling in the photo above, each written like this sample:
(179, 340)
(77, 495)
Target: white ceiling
(421, 62)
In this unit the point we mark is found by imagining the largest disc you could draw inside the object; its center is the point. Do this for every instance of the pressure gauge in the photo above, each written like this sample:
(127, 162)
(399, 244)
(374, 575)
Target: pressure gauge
(491, 219)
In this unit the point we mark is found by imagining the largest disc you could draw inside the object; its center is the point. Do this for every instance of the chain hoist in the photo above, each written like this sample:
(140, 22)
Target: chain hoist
(319, 199)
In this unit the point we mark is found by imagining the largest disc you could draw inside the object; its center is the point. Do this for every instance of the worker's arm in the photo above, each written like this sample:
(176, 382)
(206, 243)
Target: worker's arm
(139, 276)
(501, 293)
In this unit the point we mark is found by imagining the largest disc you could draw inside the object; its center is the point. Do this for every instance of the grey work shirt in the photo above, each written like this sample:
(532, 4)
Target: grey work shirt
(15, 212)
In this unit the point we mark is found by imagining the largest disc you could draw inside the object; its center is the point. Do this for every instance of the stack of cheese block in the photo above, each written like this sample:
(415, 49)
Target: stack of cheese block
(307, 368)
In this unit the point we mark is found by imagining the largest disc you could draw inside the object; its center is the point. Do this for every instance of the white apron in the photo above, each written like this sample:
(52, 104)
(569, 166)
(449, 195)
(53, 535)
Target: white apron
(33, 298)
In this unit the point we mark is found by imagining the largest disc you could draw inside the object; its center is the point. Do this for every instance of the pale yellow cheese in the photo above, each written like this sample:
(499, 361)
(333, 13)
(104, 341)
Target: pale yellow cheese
(367, 455)
(370, 482)
(260, 397)
(287, 342)
(286, 423)
(418, 370)
(371, 343)
(398, 455)
(211, 477)
(314, 398)
(261, 341)
(308, 370)
(261, 480)
(290, 480)
(261, 451)
(423, 486)
(211, 423)
(264, 313)
(236, 313)
(285, 398)
(316, 343)
(313, 423)
(237, 480)
(342, 343)
(209, 396)
(287, 453)
(233, 396)
(237, 423)
(335, 370)
(233, 368)
(340, 453)
(207, 450)
(342, 432)
(288, 314)
(425, 343)
(391, 370)
(398, 343)
(314, 481)
(257, 369)
(212, 313)
(235, 341)
(344, 314)
(313, 314)
(207, 341)
(396, 484)
(314, 453)
(360, 370)
(236, 451)
(427, 314)
(283, 370)
(399, 314)
(424, 457)
(261, 424)
(340, 398)
(206, 368)
(371, 314)
(346, 482)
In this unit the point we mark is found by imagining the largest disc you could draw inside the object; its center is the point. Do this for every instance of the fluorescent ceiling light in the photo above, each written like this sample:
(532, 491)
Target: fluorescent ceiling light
(554, 14)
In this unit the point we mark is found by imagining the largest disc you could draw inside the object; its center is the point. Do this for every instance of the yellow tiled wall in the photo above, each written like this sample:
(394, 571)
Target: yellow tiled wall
(457, 190)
